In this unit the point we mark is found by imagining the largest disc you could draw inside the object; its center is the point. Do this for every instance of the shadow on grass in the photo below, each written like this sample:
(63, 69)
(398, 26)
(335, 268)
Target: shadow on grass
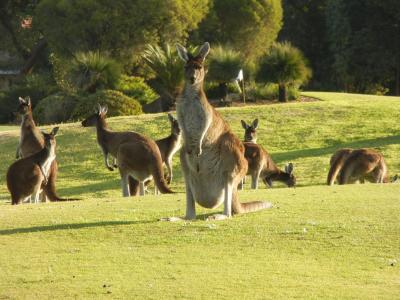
(70, 226)
(315, 152)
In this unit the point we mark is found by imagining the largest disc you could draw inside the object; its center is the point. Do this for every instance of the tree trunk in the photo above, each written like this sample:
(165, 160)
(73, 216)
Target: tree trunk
(223, 90)
(282, 93)
(34, 56)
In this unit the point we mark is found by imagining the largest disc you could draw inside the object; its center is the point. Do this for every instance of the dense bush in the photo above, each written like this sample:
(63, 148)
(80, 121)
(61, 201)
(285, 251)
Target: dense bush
(55, 108)
(213, 91)
(118, 104)
(137, 88)
(37, 87)
(284, 65)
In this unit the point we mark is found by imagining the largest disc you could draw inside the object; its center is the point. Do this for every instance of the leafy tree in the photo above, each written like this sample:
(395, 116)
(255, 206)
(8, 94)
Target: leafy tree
(224, 65)
(120, 27)
(284, 65)
(249, 26)
(304, 25)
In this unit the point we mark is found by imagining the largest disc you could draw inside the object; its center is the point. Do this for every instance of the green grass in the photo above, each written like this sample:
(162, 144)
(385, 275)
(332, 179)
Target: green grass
(317, 242)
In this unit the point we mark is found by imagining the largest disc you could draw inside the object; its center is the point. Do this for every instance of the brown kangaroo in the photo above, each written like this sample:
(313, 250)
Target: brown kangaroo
(212, 157)
(262, 166)
(31, 142)
(250, 131)
(26, 176)
(364, 164)
(337, 161)
(137, 156)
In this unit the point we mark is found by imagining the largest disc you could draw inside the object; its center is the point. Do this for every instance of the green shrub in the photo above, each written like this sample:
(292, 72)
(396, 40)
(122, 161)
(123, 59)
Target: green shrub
(55, 108)
(118, 104)
(36, 86)
(137, 88)
(212, 89)
(269, 91)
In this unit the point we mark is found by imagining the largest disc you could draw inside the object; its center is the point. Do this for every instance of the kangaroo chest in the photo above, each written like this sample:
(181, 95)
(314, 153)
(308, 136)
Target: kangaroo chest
(193, 114)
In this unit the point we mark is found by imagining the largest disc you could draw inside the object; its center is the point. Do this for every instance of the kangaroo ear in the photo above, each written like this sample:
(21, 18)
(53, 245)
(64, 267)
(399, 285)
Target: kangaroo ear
(28, 100)
(182, 52)
(97, 109)
(104, 109)
(290, 168)
(255, 124)
(244, 125)
(204, 50)
(54, 131)
(21, 100)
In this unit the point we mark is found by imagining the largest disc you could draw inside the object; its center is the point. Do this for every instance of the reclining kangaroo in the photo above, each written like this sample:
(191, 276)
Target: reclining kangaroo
(31, 142)
(260, 162)
(26, 176)
(361, 164)
(212, 157)
(137, 156)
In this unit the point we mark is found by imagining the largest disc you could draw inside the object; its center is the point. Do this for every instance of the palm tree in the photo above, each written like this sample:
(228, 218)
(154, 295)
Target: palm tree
(284, 65)
(93, 70)
(167, 67)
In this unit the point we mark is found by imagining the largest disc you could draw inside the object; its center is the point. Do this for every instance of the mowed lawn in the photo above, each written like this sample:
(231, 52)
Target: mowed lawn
(317, 241)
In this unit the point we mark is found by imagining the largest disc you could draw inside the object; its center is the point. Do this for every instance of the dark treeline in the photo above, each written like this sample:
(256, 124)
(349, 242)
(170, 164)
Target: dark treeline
(352, 45)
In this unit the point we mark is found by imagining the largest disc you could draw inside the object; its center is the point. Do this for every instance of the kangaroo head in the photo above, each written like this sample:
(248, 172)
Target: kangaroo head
(50, 138)
(24, 106)
(290, 179)
(175, 129)
(194, 65)
(250, 133)
(96, 118)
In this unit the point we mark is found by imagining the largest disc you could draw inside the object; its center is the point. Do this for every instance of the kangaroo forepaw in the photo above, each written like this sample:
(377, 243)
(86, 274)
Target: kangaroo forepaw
(110, 168)
(115, 166)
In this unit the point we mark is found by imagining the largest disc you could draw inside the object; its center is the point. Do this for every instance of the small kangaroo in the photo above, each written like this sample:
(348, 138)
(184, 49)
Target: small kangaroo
(137, 156)
(250, 131)
(212, 157)
(262, 165)
(32, 141)
(26, 176)
(170, 145)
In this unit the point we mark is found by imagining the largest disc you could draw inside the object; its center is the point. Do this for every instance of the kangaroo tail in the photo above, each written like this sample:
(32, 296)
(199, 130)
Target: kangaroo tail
(158, 175)
(50, 188)
(337, 162)
(243, 208)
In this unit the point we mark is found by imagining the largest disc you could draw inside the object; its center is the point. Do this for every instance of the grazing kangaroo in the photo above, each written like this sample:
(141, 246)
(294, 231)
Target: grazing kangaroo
(262, 166)
(250, 131)
(31, 142)
(364, 164)
(212, 157)
(137, 156)
(26, 175)
(337, 161)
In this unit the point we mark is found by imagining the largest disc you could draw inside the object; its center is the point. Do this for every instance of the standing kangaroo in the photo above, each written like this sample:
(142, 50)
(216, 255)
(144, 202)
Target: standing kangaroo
(168, 146)
(250, 131)
(26, 175)
(137, 156)
(31, 142)
(212, 157)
